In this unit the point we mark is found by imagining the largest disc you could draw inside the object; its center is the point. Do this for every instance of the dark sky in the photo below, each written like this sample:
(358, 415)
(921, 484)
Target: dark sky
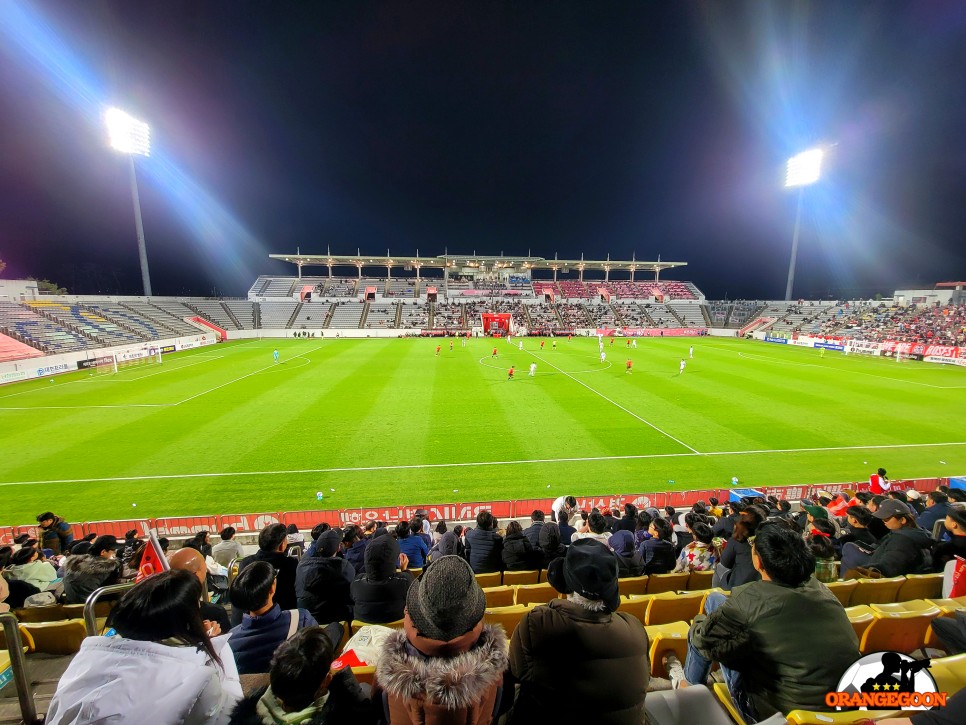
(551, 127)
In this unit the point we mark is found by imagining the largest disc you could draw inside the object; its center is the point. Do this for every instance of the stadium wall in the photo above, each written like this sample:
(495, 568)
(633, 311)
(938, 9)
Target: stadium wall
(175, 526)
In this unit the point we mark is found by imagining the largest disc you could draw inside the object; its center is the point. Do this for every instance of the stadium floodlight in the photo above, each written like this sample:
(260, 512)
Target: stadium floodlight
(132, 137)
(802, 170)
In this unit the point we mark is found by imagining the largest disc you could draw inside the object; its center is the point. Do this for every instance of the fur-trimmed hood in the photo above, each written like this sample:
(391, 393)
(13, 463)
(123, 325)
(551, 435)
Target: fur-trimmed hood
(452, 683)
(87, 565)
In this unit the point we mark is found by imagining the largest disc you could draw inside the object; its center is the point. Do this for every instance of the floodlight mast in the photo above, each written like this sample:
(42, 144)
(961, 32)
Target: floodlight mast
(133, 138)
(802, 170)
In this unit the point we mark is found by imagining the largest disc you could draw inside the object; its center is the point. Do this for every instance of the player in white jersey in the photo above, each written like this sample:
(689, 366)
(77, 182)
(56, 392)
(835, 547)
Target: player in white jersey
(603, 357)
(691, 352)
(533, 369)
(681, 368)
(634, 343)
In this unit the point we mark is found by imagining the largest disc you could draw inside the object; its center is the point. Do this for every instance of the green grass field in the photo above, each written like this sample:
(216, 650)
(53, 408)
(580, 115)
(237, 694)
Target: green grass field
(224, 429)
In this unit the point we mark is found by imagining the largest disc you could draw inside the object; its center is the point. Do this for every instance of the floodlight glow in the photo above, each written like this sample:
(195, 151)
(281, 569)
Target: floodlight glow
(127, 134)
(804, 168)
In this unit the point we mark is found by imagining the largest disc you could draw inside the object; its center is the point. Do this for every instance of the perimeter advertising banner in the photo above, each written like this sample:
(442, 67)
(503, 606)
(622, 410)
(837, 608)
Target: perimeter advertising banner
(652, 331)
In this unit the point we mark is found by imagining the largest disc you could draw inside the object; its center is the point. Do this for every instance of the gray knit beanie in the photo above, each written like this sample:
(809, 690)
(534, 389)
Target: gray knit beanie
(446, 602)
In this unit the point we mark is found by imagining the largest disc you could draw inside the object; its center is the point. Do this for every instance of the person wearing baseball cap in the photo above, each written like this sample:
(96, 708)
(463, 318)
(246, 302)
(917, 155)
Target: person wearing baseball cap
(580, 650)
(445, 665)
(902, 551)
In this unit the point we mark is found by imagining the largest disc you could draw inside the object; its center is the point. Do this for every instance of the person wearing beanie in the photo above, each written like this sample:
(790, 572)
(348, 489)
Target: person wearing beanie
(580, 651)
(551, 544)
(902, 551)
(629, 560)
(379, 591)
(445, 665)
(322, 581)
(448, 545)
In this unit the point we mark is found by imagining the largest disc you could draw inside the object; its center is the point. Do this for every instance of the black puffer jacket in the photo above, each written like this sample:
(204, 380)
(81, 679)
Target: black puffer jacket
(902, 552)
(379, 593)
(85, 573)
(518, 553)
(322, 587)
(484, 550)
(347, 703)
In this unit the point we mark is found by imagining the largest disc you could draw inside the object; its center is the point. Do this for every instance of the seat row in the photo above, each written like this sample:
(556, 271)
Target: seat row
(653, 584)
(885, 591)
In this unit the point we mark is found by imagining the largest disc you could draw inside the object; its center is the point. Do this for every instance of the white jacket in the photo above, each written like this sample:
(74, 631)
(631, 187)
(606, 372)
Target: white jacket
(117, 680)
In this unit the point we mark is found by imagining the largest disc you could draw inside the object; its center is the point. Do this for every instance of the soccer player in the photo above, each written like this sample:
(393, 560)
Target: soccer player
(612, 342)
(634, 344)
(463, 341)
(542, 343)
(630, 364)
(494, 353)
(554, 346)
(451, 346)
(533, 369)
(603, 357)
(275, 354)
(822, 352)
(627, 342)
(683, 365)
(569, 338)
(521, 346)
(438, 348)
(509, 374)
(691, 352)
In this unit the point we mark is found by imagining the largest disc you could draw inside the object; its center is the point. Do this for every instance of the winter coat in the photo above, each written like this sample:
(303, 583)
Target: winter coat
(356, 554)
(85, 573)
(379, 592)
(518, 553)
(58, 537)
(224, 552)
(427, 682)
(629, 560)
(724, 527)
(484, 550)
(533, 533)
(416, 549)
(696, 556)
(758, 632)
(625, 523)
(253, 642)
(38, 573)
(736, 556)
(285, 575)
(928, 518)
(322, 584)
(901, 553)
(113, 679)
(449, 544)
(658, 556)
(595, 661)
(947, 550)
(566, 533)
(345, 702)
(863, 537)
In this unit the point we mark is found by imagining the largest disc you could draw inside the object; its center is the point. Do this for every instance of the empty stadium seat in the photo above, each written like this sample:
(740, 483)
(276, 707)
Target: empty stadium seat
(666, 638)
(949, 606)
(876, 591)
(636, 605)
(670, 607)
(535, 593)
(512, 578)
(493, 579)
(699, 580)
(899, 631)
(920, 586)
(49, 613)
(843, 590)
(500, 596)
(861, 617)
(949, 673)
(658, 583)
(808, 717)
(724, 697)
(506, 617)
(365, 674)
(56, 638)
(632, 585)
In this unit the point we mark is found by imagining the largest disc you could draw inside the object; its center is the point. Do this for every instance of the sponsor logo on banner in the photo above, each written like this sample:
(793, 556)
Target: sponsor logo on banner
(802, 342)
(165, 349)
(102, 360)
(830, 346)
(11, 376)
(778, 340)
(51, 369)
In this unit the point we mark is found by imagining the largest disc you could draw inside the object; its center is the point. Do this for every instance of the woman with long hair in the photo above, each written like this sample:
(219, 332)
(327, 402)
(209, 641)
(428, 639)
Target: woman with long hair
(735, 566)
(162, 666)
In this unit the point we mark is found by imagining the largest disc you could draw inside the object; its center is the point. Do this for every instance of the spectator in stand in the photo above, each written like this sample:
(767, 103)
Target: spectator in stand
(627, 522)
(272, 543)
(936, 509)
(551, 544)
(955, 524)
(901, 552)
(914, 499)
(412, 545)
(200, 542)
(28, 565)
(566, 530)
(131, 543)
(518, 554)
(4, 593)
(55, 533)
(320, 529)
(85, 573)
(859, 520)
(354, 547)
(580, 652)
(641, 525)
(322, 581)
(611, 517)
(294, 536)
(532, 532)
(596, 529)
(163, 667)
(303, 690)
(713, 508)
(420, 527)
(438, 532)
(448, 545)
(629, 560)
(701, 554)
(657, 552)
(484, 546)
(563, 503)
(445, 665)
(379, 591)
(820, 544)
(227, 550)
(724, 527)
(264, 625)
(770, 662)
(736, 566)
(191, 560)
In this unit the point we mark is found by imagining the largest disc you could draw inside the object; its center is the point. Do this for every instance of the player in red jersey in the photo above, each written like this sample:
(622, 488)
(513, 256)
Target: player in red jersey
(494, 353)
(438, 348)
(509, 374)
(630, 364)
(542, 343)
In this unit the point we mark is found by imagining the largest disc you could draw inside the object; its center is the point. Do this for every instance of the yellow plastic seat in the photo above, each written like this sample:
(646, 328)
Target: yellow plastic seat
(632, 585)
(56, 638)
(500, 596)
(808, 717)
(535, 593)
(49, 613)
(876, 591)
(919, 605)
(899, 631)
(358, 624)
(949, 606)
(699, 580)
(843, 590)
(233, 567)
(671, 607)
(660, 583)
(513, 578)
(415, 572)
(949, 673)
(493, 579)
(507, 617)
(724, 697)
(664, 638)
(365, 674)
(101, 609)
(920, 586)
(636, 605)
(861, 617)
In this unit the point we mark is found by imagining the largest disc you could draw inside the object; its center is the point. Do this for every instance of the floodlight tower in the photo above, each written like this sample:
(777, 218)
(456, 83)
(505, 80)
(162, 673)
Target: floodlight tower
(803, 170)
(132, 137)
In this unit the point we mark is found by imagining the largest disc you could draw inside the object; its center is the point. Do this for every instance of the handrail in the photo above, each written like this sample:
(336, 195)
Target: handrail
(28, 709)
(90, 619)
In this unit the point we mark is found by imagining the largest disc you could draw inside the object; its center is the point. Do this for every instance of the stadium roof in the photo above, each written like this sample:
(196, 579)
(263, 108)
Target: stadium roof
(482, 262)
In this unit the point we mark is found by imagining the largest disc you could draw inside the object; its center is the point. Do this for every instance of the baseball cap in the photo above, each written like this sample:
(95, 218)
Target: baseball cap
(817, 512)
(889, 508)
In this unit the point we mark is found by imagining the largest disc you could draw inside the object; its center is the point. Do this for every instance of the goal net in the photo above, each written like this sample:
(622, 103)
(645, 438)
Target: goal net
(121, 360)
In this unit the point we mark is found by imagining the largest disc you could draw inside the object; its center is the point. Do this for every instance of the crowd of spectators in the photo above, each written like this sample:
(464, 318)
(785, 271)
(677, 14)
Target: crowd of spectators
(935, 324)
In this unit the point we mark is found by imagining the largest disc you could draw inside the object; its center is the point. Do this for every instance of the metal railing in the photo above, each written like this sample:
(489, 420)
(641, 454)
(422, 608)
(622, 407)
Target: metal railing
(18, 664)
(90, 617)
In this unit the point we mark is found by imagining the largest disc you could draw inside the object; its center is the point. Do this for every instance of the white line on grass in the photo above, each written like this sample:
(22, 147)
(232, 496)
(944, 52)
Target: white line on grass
(471, 464)
(618, 405)
(173, 367)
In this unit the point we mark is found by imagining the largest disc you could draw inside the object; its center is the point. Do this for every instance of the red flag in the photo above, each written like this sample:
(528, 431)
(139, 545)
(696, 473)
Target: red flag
(153, 560)
(959, 579)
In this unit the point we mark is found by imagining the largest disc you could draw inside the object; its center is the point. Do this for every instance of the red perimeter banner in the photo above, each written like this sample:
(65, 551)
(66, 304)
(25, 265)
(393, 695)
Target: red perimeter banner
(652, 331)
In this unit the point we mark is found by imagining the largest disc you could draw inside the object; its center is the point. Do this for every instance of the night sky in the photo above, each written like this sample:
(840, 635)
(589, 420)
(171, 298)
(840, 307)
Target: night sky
(625, 128)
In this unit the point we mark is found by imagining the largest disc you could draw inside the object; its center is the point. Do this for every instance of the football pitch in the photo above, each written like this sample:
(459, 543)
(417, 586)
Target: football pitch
(225, 429)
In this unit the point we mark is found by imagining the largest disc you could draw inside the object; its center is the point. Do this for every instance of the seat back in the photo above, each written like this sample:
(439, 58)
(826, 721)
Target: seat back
(949, 673)
(56, 638)
(659, 583)
(670, 607)
(636, 605)
(632, 585)
(530, 576)
(535, 593)
(920, 586)
(843, 590)
(876, 591)
(506, 617)
(365, 674)
(897, 631)
(493, 579)
(500, 596)
(860, 617)
(700, 580)
(666, 638)
(48, 613)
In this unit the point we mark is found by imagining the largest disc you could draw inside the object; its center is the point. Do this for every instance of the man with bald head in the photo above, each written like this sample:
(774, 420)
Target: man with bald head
(213, 614)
